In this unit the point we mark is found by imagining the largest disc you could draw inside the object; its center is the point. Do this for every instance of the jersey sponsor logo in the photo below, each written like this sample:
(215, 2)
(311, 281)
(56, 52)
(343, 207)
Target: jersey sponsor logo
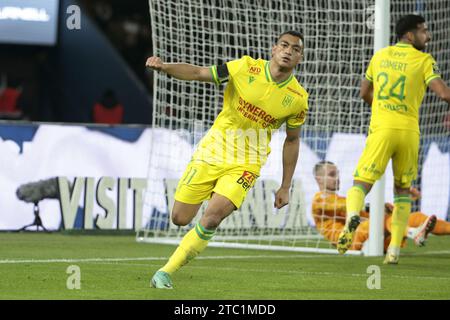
(246, 180)
(396, 107)
(287, 100)
(254, 70)
(398, 54)
(294, 91)
(372, 169)
(436, 68)
(256, 114)
(251, 79)
(301, 116)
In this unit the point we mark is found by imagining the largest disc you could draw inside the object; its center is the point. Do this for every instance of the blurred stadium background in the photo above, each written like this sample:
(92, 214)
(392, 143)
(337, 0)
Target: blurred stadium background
(62, 78)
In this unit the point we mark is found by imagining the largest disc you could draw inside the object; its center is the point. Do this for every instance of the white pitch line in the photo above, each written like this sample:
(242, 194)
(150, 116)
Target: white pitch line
(297, 272)
(87, 260)
(18, 261)
(431, 252)
(319, 273)
(8, 261)
(323, 273)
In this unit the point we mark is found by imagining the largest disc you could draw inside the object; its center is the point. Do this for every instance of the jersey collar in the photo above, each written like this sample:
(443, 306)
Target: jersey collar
(269, 77)
(403, 45)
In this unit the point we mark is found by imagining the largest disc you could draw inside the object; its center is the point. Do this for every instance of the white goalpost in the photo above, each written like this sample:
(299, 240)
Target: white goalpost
(376, 234)
(340, 38)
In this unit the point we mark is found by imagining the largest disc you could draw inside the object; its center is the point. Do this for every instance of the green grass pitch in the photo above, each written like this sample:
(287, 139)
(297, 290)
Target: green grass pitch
(34, 266)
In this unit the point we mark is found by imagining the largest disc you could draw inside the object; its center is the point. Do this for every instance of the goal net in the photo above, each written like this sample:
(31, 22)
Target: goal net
(338, 46)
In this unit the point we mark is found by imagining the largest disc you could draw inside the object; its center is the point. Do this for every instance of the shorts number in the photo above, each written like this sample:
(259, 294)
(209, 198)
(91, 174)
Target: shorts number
(189, 175)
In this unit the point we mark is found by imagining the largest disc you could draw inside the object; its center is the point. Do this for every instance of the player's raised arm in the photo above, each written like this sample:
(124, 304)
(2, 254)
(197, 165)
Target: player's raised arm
(181, 71)
(366, 91)
(441, 89)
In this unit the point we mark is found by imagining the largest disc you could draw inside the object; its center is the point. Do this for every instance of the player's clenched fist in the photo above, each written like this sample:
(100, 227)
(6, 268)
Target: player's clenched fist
(281, 198)
(155, 63)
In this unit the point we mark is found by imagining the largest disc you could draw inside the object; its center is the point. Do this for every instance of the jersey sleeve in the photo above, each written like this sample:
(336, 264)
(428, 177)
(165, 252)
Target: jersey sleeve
(369, 71)
(224, 72)
(431, 70)
(297, 119)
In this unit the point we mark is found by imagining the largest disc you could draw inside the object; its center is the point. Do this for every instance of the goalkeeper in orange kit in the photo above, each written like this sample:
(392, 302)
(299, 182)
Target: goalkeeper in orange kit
(329, 213)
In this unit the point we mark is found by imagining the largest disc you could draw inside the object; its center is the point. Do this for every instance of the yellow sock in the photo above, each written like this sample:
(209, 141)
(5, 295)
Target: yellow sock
(399, 223)
(194, 242)
(355, 201)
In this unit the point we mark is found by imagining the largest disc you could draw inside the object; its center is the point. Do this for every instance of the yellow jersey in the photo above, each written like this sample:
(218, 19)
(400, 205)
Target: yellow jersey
(253, 106)
(400, 75)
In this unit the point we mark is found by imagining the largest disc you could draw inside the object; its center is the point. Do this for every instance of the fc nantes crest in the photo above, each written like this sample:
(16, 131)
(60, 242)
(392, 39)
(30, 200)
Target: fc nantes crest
(287, 100)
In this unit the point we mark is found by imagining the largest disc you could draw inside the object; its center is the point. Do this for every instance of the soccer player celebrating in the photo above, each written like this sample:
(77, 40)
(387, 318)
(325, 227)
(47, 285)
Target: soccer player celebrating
(395, 84)
(329, 213)
(259, 97)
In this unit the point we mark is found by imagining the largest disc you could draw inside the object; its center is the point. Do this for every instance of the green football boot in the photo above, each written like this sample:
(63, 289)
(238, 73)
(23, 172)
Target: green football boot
(346, 236)
(161, 280)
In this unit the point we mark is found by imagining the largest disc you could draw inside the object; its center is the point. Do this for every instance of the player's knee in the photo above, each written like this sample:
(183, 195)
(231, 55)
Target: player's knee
(212, 218)
(211, 222)
(180, 219)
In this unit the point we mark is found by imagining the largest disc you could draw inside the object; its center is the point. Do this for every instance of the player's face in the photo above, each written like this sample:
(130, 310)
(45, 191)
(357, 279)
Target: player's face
(421, 37)
(331, 177)
(328, 178)
(288, 52)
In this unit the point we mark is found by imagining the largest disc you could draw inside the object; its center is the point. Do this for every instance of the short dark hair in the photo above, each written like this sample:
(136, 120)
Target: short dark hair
(292, 33)
(320, 164)
(407, 23)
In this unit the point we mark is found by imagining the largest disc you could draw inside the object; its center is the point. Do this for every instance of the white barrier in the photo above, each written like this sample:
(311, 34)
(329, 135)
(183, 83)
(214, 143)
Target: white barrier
(108, 172)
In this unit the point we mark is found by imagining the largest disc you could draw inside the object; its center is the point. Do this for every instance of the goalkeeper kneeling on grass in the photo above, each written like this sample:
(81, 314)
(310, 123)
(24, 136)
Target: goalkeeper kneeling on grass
(329, 213)
(260, 96)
